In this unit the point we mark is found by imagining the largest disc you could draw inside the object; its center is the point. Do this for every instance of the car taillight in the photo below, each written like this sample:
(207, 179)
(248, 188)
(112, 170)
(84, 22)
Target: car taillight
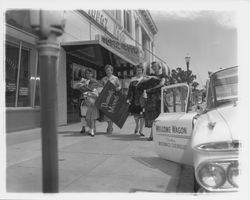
(219, 146)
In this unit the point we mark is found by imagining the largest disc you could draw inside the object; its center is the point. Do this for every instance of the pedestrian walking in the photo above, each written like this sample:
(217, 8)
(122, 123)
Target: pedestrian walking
(92, 113)
(133, 98)
(153, 102)
(115, 81)
(82, 86)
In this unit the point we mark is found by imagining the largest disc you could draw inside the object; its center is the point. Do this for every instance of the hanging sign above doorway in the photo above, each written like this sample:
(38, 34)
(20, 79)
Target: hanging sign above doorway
(129, 51)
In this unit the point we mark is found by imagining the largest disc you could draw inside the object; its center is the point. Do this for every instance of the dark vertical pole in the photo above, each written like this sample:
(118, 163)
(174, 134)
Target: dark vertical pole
(188, 85)
(48, 54)
(188, 73)
(49, 25)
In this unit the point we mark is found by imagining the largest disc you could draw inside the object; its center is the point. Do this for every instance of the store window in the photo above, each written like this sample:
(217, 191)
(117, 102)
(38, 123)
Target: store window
(19, 80)
(116, 14)
(11, 67)
(127, 21)
(20, 19)
(37, 87)
(24, 77)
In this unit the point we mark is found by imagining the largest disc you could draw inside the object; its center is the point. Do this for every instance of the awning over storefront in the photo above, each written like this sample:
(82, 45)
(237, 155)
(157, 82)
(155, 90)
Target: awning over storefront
(99, 51)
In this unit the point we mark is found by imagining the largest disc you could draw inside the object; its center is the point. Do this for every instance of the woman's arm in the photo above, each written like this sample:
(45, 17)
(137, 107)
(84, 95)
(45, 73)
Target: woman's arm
(157, 86)
(103, 82)
(118, 84)
(130, 93)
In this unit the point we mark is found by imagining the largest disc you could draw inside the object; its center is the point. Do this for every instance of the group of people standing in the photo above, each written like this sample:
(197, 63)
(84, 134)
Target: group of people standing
(144, 103)
(90, 89)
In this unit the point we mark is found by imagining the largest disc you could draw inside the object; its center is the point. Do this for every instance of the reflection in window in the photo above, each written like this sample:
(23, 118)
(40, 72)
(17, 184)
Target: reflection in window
(18, 77)
(127, 21)
(11, 67)
(175, 99)
(226, 85)
(37, 90)
(116, 14)
(20, 19)
(24, 77)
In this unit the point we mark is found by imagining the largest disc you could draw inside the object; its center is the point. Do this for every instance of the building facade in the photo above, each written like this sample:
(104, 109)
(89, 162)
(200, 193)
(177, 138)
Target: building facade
(91, 39)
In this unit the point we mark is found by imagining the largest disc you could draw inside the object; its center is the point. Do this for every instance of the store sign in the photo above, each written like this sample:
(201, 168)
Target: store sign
(127, 50)
(24, 91)
(118, 33)
(98, 17)
(10, 87)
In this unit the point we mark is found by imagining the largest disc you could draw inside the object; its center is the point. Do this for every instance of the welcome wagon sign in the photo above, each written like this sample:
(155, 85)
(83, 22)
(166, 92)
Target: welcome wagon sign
(113, 104)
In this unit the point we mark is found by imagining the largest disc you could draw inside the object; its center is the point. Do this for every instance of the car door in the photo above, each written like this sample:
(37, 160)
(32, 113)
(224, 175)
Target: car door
(173, 128)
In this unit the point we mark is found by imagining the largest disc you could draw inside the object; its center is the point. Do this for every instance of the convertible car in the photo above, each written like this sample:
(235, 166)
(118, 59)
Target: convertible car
(208, 141)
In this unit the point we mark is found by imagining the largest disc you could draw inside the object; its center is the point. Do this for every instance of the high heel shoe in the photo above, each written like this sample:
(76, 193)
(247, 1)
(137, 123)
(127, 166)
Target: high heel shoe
(92, 133)
(135, 132)
(83, 130)
(141, 134)
(109, 130)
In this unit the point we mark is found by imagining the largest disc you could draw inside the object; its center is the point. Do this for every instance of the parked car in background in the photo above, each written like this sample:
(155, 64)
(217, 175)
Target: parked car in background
(208, 141)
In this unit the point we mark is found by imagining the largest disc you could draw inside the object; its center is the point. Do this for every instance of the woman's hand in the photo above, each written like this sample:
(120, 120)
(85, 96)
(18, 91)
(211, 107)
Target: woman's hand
(118, 89)
(148, 90)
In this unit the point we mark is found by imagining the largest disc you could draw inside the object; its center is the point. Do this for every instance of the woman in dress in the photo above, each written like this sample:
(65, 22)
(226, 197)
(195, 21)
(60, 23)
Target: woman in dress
(115, 81)
(92, 111)
(153, 102)
(83, 106)
(133, 98)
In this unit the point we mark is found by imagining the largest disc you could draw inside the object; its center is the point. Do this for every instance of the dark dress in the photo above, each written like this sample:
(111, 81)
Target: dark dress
(134, 96)
(153, 102)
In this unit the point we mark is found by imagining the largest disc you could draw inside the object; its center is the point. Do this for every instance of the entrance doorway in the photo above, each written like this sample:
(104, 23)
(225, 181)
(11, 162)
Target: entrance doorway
(75, 70)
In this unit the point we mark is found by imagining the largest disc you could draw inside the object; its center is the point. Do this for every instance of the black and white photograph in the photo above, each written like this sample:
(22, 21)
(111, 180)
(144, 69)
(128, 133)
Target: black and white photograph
(144, 98)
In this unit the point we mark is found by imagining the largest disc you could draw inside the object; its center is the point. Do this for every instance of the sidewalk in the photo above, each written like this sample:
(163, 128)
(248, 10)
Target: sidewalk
(120, 162)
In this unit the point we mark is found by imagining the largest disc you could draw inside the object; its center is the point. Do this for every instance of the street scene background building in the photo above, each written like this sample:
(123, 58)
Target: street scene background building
(120, 162)
(91, 39)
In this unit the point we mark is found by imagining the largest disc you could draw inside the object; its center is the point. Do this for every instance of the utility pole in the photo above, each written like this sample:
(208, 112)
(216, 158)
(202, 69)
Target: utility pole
(49, 25)
(187, 59)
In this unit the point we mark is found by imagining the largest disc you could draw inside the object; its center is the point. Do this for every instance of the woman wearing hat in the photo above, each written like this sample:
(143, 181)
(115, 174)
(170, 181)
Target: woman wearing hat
(92, 111)
(134, 97)
(153, 101)
(115, 81)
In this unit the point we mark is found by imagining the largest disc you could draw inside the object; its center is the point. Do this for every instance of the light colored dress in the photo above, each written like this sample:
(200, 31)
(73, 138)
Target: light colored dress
(92, 111)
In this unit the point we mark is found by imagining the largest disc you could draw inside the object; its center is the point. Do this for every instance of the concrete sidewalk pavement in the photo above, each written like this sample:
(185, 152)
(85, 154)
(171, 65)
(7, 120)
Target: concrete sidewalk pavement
(119, 162)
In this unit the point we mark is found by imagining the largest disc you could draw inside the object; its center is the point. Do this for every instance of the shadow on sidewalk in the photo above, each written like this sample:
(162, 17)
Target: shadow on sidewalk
(165, 166)
(78, 134)
(70, 133)
(126, 137)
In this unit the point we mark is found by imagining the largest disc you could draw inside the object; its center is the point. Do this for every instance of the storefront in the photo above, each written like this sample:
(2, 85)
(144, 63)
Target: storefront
(95, 54)
(91, 39)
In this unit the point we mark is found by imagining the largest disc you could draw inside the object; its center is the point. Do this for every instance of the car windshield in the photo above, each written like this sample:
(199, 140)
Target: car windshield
(225, 86)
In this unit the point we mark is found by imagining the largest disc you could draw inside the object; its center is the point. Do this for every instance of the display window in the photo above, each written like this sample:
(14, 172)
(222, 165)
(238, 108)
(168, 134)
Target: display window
(20, 79)
(11, 68)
